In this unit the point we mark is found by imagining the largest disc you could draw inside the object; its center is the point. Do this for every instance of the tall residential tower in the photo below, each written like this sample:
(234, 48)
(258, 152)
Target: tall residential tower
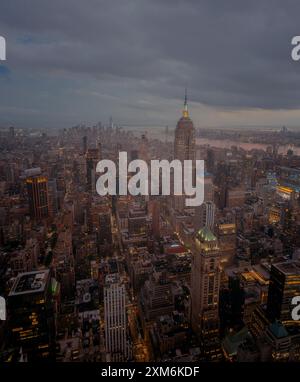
(205, 287)
(37, 189)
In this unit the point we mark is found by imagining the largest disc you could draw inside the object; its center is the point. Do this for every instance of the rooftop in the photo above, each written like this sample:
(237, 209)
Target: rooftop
(233, 341)
(205, 235)
(33, 171)
(30, 282)
(288, 268)
(278, 330)
(112, 278)
(175, 249)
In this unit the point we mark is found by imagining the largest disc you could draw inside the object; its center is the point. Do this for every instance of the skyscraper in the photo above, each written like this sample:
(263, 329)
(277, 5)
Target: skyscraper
(205, 286)
(37, 189)
(31, 312)
(284, 285)
(92, 158)
(205, 215)
(184, 146)
(115, 318)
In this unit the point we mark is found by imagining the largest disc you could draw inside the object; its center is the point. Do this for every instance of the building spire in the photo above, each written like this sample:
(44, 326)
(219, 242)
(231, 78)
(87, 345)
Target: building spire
(185, 112)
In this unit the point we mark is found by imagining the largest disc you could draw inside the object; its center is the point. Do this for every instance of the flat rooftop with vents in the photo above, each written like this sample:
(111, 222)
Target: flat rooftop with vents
(30, 282)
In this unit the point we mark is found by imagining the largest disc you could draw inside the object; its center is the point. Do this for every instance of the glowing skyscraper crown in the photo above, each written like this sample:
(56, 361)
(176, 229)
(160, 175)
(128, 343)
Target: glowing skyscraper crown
(185, 111)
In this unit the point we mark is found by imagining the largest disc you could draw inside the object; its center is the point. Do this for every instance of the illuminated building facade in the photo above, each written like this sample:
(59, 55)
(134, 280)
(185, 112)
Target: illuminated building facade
(227, 241)
(286, 193)
(284, 285)
(31, 308)
(37, 189)
(274, 214)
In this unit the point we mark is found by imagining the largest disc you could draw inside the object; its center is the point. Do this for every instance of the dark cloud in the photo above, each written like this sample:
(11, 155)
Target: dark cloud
(231, 54)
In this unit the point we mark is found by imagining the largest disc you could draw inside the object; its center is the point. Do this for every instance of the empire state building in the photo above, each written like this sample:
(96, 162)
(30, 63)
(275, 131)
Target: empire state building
(184, 145)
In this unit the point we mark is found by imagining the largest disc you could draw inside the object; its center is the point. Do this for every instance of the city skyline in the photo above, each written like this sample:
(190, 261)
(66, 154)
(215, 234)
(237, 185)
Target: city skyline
(121, 277)
(149, 185)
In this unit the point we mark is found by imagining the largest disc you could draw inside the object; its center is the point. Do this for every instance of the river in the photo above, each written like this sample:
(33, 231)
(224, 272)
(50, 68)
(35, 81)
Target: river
(156, 133)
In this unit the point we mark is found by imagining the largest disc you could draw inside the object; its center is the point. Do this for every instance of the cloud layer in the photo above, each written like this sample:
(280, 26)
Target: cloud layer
(74, 60)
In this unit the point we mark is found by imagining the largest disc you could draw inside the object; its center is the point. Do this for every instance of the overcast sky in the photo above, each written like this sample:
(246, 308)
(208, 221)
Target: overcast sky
(82, 61)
